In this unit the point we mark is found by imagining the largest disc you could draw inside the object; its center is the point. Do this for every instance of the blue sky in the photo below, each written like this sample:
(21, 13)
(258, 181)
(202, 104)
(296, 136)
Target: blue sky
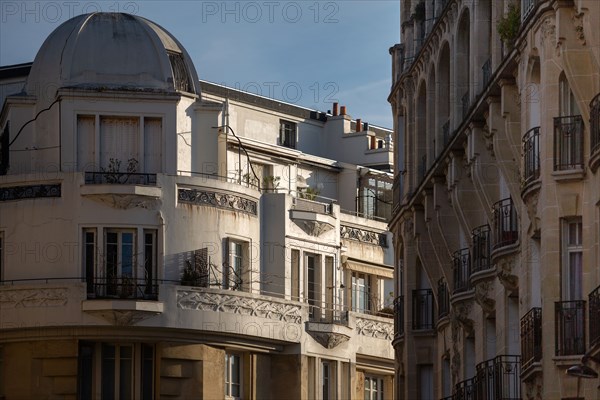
(306, 52)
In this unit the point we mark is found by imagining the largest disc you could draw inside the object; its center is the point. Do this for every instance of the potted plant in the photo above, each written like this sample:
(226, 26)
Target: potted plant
(508, 26)
(271, 182)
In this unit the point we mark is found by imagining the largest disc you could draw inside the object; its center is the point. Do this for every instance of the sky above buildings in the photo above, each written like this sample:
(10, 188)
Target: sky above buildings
(305, 52)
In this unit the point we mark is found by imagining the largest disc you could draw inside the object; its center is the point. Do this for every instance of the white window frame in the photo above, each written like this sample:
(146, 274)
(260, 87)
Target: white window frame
(237, 265)
(292, 132)
(569, 248)
(373, 393)
(327, 380)
(228, 379)
(356, 291)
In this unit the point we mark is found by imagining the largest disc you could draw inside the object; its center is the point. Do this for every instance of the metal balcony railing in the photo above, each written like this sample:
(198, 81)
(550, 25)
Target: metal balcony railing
(531, 155)
(594, 317)
(499, 378)
(568, 143)
(119, 178)
(506, 230)
(446, 132)
(399, 316)
(531, 337)
(595, 124)
(465, 390)
(461, 265)
(123, 287)
(443, 299)
(422, 302)
(482, 248)
(570, 327)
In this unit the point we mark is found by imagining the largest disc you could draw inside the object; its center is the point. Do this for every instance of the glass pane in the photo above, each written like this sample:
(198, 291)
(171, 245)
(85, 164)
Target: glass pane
(108, 372)
(147, 372)
(127, 254)
(126, 373)
(575, 276)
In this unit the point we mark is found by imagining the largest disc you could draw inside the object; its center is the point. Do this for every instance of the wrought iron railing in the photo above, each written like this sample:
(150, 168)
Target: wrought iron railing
(531, 337)
(595, 124)
(461, 265)
(443, 299)
(505, 223)
(499, 378)
(531, 155)
(594, 317)
(422, 302)
(119, 178)
(486, 72)
(123, 287)
(570, 327)
(568, 143)
(422, 167)
(466, 390)
(482, 248)
(399, 316)
(446, 132)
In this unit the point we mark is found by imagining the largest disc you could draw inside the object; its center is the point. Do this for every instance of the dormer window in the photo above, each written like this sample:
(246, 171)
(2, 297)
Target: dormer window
(181, 76)
(288, 132)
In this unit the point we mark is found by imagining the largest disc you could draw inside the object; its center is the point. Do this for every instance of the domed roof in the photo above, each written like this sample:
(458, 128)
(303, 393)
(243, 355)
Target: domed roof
(111, 51)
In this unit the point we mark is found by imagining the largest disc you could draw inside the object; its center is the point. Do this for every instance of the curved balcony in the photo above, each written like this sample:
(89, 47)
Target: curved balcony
(461, 265)
(506, 229)
(422, 316)
(531, 337)
(443, 299)
(531, 161)
(482, 250)
(398, 317)
(595, 133)
(568, 148)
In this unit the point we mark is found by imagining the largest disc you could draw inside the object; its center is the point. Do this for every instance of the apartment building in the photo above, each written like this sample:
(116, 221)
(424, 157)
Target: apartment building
(495, 220)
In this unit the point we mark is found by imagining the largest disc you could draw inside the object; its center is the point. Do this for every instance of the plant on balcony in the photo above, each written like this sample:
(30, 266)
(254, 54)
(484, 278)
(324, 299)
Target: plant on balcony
(113, 172)
(271, 182)
(191, 276)
(309, 193)
(127, 287)
(508, 26)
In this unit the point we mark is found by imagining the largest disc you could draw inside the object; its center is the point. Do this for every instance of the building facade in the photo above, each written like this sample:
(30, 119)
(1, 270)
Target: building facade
(166, 237)
(497, 120)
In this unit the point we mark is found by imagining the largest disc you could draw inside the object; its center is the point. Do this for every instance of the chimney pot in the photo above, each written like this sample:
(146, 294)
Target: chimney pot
(343, 110)
(335, 109)
(359, 127)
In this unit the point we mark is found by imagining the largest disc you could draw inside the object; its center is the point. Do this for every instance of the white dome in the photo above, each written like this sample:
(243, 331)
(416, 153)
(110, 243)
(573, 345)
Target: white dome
(111, 51)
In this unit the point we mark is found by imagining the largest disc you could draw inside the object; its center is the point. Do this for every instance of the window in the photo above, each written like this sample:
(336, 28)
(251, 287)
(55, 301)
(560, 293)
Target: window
(233, 376)
(373, 388)
(376, 197)
(4, 152)
(572, 260)
(113, 371)
(181, 76)
(568, 130)
(295, 275)
(111, 265)
(288, 134)
(236, 272)
(360, 292)
(327, 380)
(313, 273)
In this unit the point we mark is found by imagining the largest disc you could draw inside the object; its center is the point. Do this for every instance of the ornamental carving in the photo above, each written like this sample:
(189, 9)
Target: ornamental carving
(29, 192)
(26, 298)
(313, 228)
(203, 301)
(216, 199)
(329, 340)
(534, 389)
(484, 292)
(578, 22)
(506, 275)
(532, 212)
(549, 32)
(375, 329)
(123, 317)
(363, 235)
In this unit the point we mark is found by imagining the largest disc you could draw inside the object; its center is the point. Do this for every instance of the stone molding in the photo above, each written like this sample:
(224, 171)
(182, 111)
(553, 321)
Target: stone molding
(374, 329)
(39, 297)
(363, 235)
(230, 303)
(217, 199)
(29, 192)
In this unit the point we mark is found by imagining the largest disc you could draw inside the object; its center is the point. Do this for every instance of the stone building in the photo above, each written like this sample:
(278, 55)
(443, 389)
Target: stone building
(166, 237)
(496, 221)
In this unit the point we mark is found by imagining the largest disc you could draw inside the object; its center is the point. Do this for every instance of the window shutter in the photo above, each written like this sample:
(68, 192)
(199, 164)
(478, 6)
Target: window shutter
(201, 266)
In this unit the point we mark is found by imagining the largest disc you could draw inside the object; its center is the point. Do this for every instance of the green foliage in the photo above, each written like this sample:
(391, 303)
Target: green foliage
(271, 182)
(190, 275)
(508, 26)
(113, 171)
(309, 193)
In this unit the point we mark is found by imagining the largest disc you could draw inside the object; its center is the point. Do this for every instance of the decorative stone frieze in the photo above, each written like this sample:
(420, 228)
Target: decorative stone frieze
(206, 301)
(39, 297)
(29, 192)
(216, 199)
(363, 235)
(375, 329)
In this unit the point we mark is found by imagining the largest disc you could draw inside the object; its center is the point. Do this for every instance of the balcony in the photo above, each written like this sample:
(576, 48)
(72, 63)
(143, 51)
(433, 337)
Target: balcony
(506, 229)
(568, 143)
(313, 217)
(465, 390)
(531, 337)
(310, 205)
(594, 317)
(499, 378)
(482, 249)
(422, 318)
(122, 287)
(446, 132)
(570, 327)
(461, 265)
(121, 190)
(595, 132)
(119, 178)
(398, 316)
(486, 72)
(443, 299)
(531, 156)
(465, 104)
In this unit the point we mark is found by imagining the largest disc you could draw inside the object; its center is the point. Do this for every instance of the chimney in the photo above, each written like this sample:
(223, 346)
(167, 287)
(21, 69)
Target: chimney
(359, 125)
(343, 110)
(335, 109)
(365, 126)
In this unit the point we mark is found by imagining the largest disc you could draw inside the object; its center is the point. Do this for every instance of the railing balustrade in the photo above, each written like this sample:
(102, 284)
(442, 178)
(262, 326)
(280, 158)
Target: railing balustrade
(531, 337)
(482, 249)
(462, 270)
(422, 301)
(531, 155)
(505, 223)
(568, 143)
(443, 299)
(570, 327)
(594, 317)
(119, 178)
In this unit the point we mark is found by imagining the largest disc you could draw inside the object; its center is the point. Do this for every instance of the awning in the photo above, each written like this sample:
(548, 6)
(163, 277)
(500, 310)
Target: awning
(358, 266)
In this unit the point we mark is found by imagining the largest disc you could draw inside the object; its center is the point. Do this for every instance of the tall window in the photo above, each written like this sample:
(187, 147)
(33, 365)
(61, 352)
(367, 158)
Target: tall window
(114, 266)
(287, 134)
(295, 275)
(572, 260)
(376, 196)
(373, 388)
(313, 273)
(361, 289)
(236, 272)
(327, 380)
(233, 376)
(113, 371)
